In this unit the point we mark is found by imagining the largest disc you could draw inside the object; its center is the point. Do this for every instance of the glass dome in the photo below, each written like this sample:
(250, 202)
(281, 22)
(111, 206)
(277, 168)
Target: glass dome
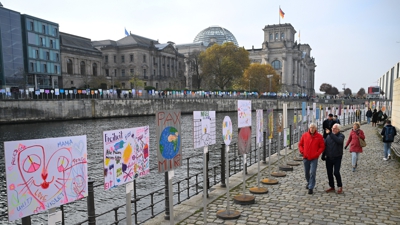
(216, 34)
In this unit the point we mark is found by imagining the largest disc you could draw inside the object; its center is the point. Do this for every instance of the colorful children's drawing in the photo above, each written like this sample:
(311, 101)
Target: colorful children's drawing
(168, 137)
(279, 123)
(126, 155)
(270, 123)
(44, 174)
(286, 137)
(204, 130)
(244, 113)
(259, 126)
(244, 140)
(227, 130)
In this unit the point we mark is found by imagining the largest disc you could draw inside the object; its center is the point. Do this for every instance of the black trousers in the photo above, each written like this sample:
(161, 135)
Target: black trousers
(333, 168)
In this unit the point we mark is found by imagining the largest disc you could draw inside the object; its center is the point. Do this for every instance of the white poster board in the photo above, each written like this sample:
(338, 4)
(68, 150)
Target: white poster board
(204, 130)
(259, 126)
(244, 113)
(44, 174)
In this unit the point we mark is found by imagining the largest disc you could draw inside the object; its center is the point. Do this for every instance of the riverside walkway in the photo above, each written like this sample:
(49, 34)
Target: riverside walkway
(371, 194)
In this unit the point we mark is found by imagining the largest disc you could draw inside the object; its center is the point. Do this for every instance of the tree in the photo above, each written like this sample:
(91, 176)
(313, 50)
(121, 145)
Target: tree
(333, 91)
(325, 88)
(255, 79)
(222, 64)
(135, 81)
(361, 92)
(347, 92)
(194, 68)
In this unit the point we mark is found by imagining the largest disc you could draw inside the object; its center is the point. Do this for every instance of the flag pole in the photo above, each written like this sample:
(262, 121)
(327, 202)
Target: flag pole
(279, 14)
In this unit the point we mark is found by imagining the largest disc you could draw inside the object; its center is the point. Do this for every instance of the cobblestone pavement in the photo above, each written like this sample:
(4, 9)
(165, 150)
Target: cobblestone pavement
(371, 194)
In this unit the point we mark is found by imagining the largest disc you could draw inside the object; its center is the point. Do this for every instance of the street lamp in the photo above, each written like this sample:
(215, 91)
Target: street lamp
(344, 87)
(269, 77)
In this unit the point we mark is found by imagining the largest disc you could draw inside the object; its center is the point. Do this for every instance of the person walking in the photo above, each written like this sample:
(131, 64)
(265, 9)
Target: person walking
(333, 157)
(374, 118)
(358, 115)
(354, 142)
(369, 115)
(388, 132)
(336, 119)
(311, 146)
(327, 124)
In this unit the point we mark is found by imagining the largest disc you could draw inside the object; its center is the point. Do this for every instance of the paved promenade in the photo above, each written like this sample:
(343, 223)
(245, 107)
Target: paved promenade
(371, 194)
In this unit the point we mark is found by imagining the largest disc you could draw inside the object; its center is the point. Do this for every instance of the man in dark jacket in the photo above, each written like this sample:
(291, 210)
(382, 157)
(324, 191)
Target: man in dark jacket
(327, 124)
(333, 157)
(311, 145)
(388, 133)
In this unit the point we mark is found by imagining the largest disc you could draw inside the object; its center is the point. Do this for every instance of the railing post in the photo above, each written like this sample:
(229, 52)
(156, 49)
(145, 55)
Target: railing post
(223, 164)
(290, 136)
(264, 147)
(90, 203)
(26, 220)
(207, 177)
(166, 216)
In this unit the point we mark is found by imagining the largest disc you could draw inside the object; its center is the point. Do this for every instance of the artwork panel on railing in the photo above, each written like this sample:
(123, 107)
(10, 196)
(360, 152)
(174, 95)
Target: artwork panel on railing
(244, 113)
(44, 174)
(204, 130)
(126, 155)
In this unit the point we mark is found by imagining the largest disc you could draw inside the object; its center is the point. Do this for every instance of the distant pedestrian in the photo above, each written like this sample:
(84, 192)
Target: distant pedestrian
(380, 114)
(369, 115)
(388, 132)
(335, 118)
(311, 146)
(374, 118)
(354, 142)
(333, 157)
(327, 124)
(358, 115)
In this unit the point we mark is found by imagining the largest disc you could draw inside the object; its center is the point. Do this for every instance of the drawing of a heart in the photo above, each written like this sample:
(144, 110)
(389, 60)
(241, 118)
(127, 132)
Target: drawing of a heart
(41, 174)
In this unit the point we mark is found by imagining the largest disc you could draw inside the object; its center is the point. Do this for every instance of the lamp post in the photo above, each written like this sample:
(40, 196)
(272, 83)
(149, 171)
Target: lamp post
(269, 77)
(344, 87)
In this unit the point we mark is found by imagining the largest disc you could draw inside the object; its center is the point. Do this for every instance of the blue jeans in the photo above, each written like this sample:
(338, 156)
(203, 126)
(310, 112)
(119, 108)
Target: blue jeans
(310, 170)
(386, 148)
(354, 158)
(368, 120)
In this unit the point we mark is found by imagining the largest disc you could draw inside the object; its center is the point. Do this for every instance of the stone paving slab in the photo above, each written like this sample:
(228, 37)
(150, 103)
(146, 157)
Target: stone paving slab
(371, 194)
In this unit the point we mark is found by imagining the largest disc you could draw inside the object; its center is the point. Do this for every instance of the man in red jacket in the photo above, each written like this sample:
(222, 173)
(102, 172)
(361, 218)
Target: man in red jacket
(311, 146)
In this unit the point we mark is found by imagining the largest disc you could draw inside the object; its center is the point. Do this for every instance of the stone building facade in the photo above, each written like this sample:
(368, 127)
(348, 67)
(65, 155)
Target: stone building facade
(158, 65)
(290, 59)
(81, 63)
(190, 65)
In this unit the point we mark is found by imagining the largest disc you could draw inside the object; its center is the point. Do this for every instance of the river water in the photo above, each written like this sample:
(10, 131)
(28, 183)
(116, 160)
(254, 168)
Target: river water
(106, 200)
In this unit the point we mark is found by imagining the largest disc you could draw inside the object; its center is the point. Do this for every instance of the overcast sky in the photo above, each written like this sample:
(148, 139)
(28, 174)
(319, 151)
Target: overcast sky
(353, 41)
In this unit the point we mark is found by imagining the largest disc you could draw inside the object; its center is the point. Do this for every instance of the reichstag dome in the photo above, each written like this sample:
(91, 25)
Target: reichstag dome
(216, 34)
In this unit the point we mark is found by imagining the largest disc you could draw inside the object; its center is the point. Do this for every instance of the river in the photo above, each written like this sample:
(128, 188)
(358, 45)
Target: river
(105, 200)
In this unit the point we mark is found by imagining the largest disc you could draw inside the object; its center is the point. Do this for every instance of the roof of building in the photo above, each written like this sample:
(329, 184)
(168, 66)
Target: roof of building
(74, 41)
(215, 34)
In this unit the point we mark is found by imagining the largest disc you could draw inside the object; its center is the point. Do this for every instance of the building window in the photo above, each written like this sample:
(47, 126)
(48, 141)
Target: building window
(122, 73)
(271, 37)
(144, 72)
(276, 36)
(72, 82)
(31, 67)
(94, 69)
(122, 58)
(83, 69)
(31, 25)
(123, 85)
(41, 41)
(36, 53)
(45, 68)
(55, 69)
(115, 72)
(51, 44)
(55, 32)
(106, 58)
(43, 29)
(276, 64)
(131, 72)
(131, 57)
(47, 55)
(145, 84)
(282, 36)
(69, 66)
(144, 58)
(107, 73)
(154, 72)
(57, 57)
(179, 65)
(115, 59)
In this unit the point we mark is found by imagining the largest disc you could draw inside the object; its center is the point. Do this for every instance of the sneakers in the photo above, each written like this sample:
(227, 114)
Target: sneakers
(340, 190)
(389, 157)
(385, 159)
(330, 190)
(354, 169)
(310, 191)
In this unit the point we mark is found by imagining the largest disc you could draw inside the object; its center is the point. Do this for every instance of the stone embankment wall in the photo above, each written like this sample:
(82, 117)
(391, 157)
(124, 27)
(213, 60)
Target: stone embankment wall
(22, 111)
